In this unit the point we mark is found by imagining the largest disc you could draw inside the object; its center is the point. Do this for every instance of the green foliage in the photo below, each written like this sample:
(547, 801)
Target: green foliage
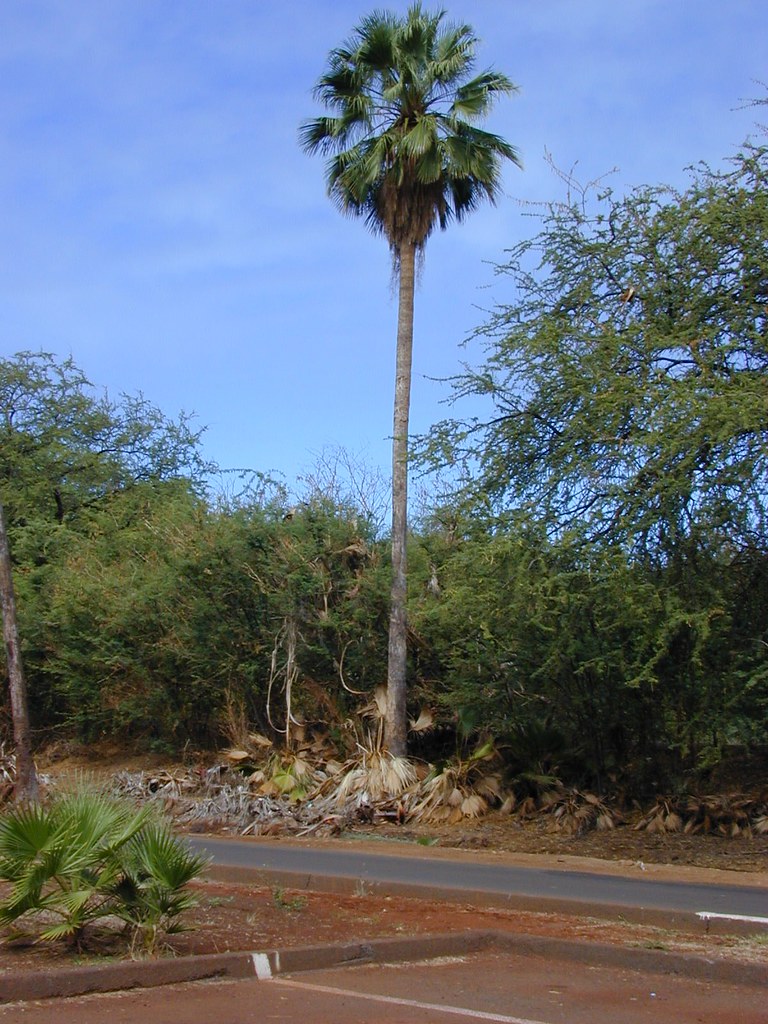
(628, 374)
(401, 133)
(151, 894)
(589, 666)
(62, 861)
(595, 596)
(327, 580)
(167, 607)
(609, 578)
(108, 615)
(80, 474)
(65, 446)
(87, 857)
(285, 903)
(141, 604)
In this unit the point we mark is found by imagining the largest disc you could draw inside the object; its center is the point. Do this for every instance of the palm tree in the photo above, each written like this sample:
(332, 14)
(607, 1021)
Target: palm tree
(405, 154)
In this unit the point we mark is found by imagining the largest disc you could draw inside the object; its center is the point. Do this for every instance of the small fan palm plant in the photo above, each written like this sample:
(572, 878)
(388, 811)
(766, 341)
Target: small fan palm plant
(152, 893)
(87, 857)
(61, 861)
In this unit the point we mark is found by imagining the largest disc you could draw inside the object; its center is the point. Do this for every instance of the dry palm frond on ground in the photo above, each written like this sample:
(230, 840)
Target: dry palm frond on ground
(374, 775)
(731, 815)
(7, 773)
(459, 789)
(260, 789)
(664, 816)
(575, 812)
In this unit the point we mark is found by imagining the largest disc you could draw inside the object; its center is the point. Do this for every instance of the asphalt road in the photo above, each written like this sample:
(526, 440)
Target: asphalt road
(504, 880)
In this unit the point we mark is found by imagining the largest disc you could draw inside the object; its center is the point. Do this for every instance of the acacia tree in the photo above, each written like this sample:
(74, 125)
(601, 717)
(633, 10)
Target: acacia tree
(406, 155)
(64, 445)
(628, 375)
(65, 451)
(628, 372)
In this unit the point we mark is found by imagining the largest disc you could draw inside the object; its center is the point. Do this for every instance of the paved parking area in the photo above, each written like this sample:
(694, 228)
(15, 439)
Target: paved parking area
(490, 986)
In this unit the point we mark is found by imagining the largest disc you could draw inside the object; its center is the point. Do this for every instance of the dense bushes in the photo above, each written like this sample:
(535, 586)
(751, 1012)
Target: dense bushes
(626, 434)
(151, 614)
(595, 596)
(633, 674)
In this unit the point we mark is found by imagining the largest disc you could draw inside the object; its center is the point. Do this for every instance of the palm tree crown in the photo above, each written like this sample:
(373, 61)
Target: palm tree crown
(404, 150)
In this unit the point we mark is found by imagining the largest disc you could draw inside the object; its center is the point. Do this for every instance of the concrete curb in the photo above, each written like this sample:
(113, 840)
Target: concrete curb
(111, 977)
(75, 981)
(265, 965)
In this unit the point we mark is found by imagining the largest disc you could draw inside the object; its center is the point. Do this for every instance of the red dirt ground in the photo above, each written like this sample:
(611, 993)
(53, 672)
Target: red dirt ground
(244, 917)
(237, 917)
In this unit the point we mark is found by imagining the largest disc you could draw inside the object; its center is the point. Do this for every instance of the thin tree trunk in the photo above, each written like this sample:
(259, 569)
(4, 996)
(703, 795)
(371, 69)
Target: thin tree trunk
(396, 731)
(26, 776)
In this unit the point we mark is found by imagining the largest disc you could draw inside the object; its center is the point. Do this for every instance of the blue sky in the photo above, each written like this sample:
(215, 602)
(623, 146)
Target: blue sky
(161, 225)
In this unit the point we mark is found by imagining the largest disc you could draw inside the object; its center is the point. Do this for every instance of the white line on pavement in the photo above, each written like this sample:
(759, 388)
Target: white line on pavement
(707, 915)
(459, 1011)
(261, 966)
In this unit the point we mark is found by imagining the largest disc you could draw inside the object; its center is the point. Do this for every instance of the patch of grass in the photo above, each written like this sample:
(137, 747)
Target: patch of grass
(219, 901)
(282, 901)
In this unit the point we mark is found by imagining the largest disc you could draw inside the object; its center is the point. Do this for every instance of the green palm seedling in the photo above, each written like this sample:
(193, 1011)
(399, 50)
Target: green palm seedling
(29, 851)
(152, 891)
(87, 857)
(62, 861)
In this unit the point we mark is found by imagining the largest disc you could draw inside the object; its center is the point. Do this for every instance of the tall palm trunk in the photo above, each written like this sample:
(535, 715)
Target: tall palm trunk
(405, 155)
(396, 720)
(26, 777)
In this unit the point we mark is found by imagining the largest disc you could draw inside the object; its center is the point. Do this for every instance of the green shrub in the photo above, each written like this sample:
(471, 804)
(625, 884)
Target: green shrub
(152, 894)
(87, 857)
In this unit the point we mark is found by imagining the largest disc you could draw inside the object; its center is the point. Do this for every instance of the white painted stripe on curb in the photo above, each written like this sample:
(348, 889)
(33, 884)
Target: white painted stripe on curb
(458, 1011)
(261, 966)
(707, 915)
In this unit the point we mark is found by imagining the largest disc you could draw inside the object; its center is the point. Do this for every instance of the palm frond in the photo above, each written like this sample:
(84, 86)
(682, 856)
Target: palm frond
(423, 723)
(575, 812)
(375, 775)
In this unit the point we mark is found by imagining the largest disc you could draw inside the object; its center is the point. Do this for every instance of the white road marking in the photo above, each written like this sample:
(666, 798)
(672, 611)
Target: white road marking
(458, 1011)
(707, 915)
(261, 966)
